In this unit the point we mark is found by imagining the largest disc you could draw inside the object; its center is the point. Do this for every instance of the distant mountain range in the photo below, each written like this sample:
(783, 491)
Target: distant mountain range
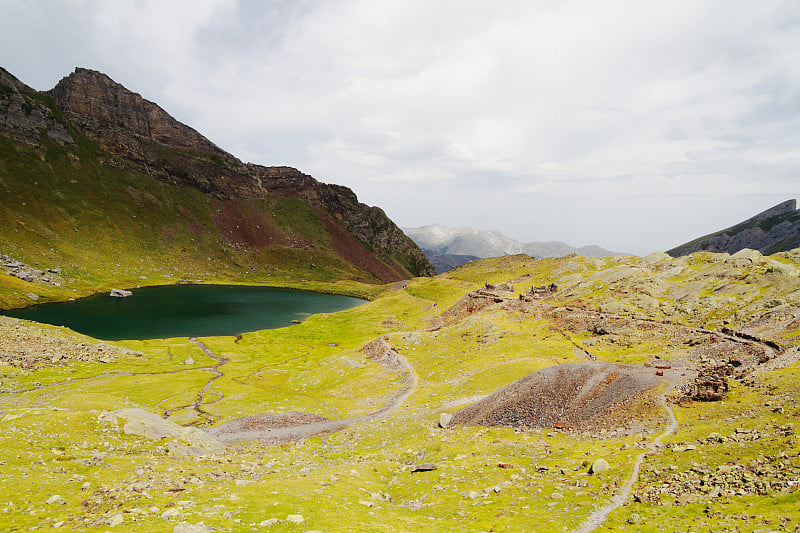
(775, 230)
(450, 247)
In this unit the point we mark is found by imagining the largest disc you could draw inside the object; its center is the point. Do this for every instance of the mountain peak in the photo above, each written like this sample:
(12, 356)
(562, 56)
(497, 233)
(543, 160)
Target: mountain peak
(438, 239)
(106, 109)
(783, 208)
(6, 78)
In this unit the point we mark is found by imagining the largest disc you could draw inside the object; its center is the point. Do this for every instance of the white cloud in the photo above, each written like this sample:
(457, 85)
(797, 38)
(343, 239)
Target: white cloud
(610, 112)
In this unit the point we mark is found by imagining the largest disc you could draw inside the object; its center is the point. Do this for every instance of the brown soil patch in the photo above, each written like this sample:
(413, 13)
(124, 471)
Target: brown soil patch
(577, 395)
(352, 250)
(249, 228)
(196, 228)
(267, 421)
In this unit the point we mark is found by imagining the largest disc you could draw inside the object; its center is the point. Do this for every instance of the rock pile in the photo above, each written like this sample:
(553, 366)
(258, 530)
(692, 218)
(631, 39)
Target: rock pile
(28, 346)
(574, 395)
(18, 269)
(763, 476)
(710, 385)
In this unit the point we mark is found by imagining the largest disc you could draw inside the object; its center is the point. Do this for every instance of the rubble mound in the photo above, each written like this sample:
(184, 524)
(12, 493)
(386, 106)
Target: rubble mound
(566, 396)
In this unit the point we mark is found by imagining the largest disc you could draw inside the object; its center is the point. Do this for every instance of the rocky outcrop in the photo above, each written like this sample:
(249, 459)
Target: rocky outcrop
(180, 440)
(371, 226)
(25, 117)
(143, 137)
(120, 293)
(18, 269)
(775, 230)
(107, 110)
(368, 224)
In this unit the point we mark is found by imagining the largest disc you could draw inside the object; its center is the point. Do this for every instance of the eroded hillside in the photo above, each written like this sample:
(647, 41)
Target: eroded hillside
(364, 391)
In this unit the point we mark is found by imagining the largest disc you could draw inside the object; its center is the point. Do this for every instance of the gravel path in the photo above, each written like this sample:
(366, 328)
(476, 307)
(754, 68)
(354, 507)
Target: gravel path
(599, 516)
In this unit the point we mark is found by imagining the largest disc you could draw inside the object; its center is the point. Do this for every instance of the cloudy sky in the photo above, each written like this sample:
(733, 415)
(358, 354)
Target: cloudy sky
(634, 125)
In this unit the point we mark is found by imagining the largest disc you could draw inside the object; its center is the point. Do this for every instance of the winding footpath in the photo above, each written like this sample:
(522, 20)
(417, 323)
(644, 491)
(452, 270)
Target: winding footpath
(199, 400)
(248, 428)
(599, 516)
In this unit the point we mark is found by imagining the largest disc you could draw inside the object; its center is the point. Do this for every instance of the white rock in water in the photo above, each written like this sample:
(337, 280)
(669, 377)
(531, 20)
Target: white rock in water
(120, 293)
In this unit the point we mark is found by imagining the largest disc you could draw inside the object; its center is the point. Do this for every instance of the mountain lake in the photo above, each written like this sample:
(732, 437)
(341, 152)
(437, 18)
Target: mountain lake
(185, 311)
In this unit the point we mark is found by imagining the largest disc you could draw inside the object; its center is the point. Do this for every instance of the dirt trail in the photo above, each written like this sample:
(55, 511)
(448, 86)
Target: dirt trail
(599, 516)
(252, 428)
(205, 416)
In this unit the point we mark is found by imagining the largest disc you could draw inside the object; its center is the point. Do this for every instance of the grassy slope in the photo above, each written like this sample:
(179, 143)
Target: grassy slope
(360, 479)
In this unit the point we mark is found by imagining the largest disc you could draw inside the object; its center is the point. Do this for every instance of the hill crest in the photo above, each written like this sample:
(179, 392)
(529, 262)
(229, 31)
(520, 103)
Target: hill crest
(773, 230)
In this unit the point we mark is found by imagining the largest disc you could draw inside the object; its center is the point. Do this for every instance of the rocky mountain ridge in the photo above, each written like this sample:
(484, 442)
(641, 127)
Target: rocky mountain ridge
(93, 126)
(437, 239)
(775, 230)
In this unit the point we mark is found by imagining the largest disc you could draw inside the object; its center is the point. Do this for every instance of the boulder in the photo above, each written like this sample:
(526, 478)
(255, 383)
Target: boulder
(599, 465)
(744, 257)
(120, 293)
(186, 527)
(55, 499)
(444, 419)
(656, 257)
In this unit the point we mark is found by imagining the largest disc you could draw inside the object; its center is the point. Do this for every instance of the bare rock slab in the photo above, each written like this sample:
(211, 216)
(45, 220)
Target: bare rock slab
(134, 421)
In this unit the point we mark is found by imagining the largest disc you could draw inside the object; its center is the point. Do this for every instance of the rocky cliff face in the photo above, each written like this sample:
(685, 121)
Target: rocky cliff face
(25, 118)
(136, 135)
(775, 230)
(108, 111)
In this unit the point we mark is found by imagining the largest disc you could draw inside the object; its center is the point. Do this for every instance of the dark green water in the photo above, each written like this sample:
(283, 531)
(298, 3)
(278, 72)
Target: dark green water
(185, 310)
